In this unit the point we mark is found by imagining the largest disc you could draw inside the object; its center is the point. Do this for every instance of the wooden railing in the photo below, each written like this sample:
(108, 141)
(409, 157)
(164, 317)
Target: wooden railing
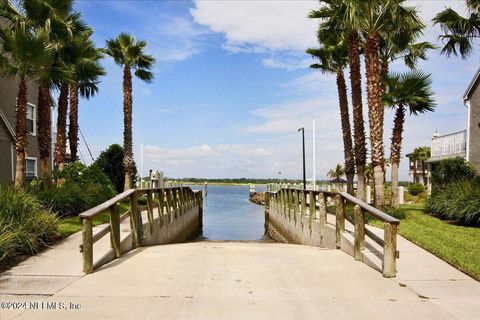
(297, 204)
(170, 202)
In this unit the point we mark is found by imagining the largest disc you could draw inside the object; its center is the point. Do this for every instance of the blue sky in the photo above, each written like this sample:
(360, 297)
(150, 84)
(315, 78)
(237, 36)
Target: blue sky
(232, 86)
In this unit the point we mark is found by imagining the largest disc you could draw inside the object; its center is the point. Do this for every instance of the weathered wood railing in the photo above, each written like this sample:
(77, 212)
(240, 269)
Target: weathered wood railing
(297, 204)
(169, 202)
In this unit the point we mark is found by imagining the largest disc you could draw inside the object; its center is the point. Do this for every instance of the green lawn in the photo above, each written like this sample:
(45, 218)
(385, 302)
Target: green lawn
(457, 245)
(71, 225)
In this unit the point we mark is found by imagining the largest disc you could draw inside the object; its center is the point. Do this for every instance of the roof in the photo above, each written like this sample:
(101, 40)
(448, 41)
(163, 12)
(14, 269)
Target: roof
(338, 181)
(472, 85)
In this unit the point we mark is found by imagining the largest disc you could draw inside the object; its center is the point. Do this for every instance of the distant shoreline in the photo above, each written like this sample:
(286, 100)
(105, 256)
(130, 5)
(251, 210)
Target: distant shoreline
(224, 183)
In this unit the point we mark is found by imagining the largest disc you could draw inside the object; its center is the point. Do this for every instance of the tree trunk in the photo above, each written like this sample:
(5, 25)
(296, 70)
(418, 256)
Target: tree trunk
(395, 151)
(60, 144)
(73, 122)
(127, 130)
(414, 170)
(346, 131)
(21, 133)
(358, 124)
(361, 181)
(45, 134)
(425, 182)
(375, 114)
(395, 202)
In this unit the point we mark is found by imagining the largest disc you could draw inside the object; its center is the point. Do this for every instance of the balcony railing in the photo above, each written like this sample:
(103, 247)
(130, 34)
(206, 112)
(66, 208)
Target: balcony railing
(453, 144)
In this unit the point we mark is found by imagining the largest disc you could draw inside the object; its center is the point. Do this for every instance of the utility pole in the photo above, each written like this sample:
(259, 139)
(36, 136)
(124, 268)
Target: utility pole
(303, 149)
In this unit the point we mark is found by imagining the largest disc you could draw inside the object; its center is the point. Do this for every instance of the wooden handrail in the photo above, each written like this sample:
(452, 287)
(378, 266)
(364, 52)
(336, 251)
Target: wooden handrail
(287, 200)
(172, 202)
(371, 210)
(107, 204)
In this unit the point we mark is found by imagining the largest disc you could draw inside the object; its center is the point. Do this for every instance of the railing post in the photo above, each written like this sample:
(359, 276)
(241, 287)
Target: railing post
(169, 204)
(390, 250)
(290, 205)
(161, 203)
(322, 212)
(87, 245)
(303, 205)
(296, 204)
(175, 203)
(359, 234)
(284, 202)
(134, 220)
(340, 220)
(115, 229)
(313, 209)
(150, 208)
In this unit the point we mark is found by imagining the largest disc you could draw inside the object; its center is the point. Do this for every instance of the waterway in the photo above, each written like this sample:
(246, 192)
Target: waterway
(229, 215)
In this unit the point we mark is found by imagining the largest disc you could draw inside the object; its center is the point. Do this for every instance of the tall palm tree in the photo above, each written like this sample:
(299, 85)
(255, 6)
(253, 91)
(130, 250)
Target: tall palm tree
(82, 57)
(423, 154)
(408, 91)
(59, 21)
(459, 32)
(24, 51)
(342, 15)
(129, 54)
(333, 59)
(377, 19)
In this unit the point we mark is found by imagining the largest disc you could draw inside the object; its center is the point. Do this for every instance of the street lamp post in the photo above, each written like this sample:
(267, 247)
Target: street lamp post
(303, 149)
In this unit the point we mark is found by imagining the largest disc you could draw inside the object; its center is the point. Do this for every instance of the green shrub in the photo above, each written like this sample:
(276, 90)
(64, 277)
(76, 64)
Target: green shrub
(398, 213)
(451, 170)
(458, 201)
(81, 188)
(110, 161)
(415, 189)
(25, 225)
(65, 200)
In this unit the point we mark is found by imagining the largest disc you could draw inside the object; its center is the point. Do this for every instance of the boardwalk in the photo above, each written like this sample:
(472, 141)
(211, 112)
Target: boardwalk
(233, 280)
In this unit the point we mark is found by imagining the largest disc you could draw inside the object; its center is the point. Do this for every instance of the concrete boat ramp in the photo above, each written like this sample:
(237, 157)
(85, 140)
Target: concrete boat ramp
(235, 280)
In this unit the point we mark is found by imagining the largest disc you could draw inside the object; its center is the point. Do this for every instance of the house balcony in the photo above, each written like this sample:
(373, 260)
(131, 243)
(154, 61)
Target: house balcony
(449, 146)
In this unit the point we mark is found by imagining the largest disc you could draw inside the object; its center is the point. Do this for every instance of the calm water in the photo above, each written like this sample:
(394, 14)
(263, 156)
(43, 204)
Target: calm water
(229, 215)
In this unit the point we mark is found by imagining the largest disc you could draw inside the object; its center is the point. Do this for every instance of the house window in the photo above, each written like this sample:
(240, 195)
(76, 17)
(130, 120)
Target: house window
(31, 119)
(31, 167)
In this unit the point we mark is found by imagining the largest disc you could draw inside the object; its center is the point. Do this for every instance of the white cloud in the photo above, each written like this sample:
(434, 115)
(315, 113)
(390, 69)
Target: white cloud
(265, 24)
(279, 29)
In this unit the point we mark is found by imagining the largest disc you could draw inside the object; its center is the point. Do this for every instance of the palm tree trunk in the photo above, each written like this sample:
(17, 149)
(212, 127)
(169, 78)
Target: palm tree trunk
(60, 144)
(45, 134)
(375, 114)
(423, 174)
(395, 151)
(127, 130)
(346, 131)
(21, 133)
(73, 122)
(414, 171)
(358, 124)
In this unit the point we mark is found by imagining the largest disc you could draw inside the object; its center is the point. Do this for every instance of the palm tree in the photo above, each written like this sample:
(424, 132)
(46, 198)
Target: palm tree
(129, 53)
(82, 57)
(333, 59)
(25, 51)
(57, 19)
(459, 32)
(342, 15)
(423, 154)
(378, 19)
(337, 173)
(368, 173)
(408, 90)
